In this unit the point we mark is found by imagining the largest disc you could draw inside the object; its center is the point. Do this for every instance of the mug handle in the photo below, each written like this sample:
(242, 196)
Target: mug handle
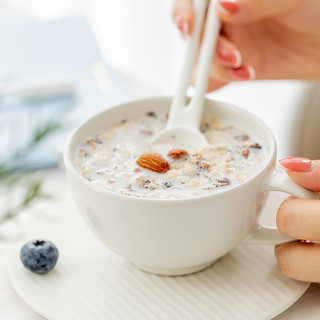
(277, 181)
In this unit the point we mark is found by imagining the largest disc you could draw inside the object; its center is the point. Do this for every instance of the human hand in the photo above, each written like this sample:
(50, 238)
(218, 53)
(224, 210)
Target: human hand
(300, 219)
(265, 39)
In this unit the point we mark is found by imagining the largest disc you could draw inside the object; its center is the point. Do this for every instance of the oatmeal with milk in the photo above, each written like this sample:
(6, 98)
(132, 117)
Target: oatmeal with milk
(122, 160)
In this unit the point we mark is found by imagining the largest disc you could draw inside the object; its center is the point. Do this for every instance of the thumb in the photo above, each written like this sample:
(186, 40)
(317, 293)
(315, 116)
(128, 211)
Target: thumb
(303, 171)
(246, 11)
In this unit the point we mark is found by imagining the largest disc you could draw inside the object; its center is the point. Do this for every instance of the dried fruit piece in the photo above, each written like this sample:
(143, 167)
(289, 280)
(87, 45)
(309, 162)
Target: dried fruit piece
(146, 184)
(245, 153)
(83, 153)
(97, 140)
(242, 137)
(92, 143)
(198, 156)
(223, 181)
(154, 162)
(177, 153)
(167, 184)
(151, 114)
(205, 127)
(202, 165)
(255, 146)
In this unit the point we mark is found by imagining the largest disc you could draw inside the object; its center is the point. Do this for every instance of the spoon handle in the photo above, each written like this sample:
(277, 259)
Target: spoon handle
(191, 115)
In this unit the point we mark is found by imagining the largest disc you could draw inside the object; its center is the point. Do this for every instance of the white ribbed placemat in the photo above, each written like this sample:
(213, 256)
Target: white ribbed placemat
(90, 282)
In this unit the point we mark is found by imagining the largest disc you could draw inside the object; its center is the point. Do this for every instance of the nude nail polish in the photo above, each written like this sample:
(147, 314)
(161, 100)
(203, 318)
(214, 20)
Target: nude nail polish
(228, 6)
(243, 73)
(296, 164)
(230, 56)
(183, 26)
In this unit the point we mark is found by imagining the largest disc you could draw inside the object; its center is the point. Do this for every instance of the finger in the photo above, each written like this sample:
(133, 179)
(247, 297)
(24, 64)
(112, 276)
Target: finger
(303, 171)
(246, 11)
(300, 219)
(183, 15)
(224, 74)
(214, 85)
(299, 260)
(227, 54)
(220, 76)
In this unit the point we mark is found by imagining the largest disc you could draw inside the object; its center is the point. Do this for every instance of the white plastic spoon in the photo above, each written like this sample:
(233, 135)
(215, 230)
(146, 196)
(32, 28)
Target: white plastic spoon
(182, 129)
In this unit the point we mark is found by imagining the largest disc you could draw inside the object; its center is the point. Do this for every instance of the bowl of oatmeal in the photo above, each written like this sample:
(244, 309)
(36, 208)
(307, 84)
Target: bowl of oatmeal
(172, 211)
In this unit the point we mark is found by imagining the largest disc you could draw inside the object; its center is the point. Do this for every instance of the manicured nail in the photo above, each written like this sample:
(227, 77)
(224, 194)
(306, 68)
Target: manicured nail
(243, 73)
(183, 26)
(296, 164)
(231, 56)
(228, 6)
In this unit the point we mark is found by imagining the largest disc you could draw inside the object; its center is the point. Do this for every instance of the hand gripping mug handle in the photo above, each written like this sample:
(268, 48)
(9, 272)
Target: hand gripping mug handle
(277, 181)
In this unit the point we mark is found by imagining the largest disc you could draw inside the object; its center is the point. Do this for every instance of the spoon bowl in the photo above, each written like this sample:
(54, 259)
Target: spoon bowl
(180, 137)
(182, 129)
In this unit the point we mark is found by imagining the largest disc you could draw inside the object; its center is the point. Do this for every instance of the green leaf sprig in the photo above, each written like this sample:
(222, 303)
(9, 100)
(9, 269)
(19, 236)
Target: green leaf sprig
(25, 178)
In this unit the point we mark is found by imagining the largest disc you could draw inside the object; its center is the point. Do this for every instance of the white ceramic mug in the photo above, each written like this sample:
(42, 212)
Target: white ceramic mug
(179, 236)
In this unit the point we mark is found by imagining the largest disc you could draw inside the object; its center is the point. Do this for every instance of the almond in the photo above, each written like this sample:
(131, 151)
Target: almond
(153, 162)
(177, 153)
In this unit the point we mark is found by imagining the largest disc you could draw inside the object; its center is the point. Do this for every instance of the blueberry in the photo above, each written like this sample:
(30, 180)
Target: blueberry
(39, 256)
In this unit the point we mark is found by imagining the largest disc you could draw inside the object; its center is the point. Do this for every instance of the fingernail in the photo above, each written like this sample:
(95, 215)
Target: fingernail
(183, 26)
(243, 73)
(296, 164)
(228, 6)
(231, 56)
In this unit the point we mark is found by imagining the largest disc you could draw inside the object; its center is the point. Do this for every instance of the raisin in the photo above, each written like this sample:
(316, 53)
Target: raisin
(97, 140)
(151, 114)
(167, 184)
(222, 182)
(255, 146)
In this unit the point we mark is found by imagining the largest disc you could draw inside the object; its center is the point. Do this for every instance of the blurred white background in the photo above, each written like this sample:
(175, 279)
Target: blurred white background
(138, 39)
